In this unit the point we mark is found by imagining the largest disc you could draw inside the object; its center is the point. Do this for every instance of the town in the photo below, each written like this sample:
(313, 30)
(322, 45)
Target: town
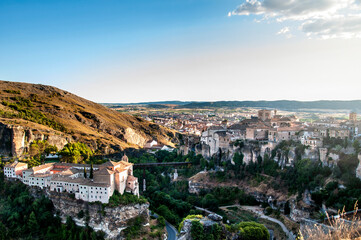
(209, 136)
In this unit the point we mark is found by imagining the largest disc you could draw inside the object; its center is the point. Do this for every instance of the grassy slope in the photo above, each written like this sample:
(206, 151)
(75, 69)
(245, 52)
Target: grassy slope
(83, 120)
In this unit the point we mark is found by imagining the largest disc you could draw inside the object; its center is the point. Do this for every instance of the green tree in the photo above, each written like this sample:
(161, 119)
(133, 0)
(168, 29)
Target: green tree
(197, 230)
(356, 146)
(216, 232)
(91, 171)
(75, 152)
(3, 232)
(33, 223)
(161, 221)
(253, 231)
(85, 174)
(51, 149)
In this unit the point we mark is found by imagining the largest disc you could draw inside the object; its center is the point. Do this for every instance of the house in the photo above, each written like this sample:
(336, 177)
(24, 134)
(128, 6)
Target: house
(150, 144)
(14, 170)
(283, 134)
(313, 142)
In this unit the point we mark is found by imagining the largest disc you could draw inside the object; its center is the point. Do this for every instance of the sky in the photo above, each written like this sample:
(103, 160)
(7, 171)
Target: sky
(191, 50)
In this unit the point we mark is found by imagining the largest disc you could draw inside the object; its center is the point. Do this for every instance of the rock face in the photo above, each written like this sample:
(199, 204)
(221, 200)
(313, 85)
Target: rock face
(358, 169)
(111, 220)
(15, 140)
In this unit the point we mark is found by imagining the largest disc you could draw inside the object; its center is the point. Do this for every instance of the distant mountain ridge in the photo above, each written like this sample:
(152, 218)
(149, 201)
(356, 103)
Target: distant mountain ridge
(278, 104)
(282, 104)
(148, 103)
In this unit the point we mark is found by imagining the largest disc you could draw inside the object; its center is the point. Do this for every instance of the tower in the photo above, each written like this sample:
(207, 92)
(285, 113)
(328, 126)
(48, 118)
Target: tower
(353, 117)
(125, 158)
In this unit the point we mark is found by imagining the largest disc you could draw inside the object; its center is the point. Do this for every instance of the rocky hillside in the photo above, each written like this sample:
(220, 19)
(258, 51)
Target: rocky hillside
(31, 112)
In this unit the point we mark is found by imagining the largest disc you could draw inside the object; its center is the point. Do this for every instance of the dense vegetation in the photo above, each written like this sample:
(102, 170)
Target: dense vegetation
(172, 199)
(23, 217)
(304, 174)
(241, 231)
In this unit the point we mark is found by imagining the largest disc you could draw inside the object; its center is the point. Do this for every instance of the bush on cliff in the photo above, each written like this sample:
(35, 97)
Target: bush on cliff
(117, 199)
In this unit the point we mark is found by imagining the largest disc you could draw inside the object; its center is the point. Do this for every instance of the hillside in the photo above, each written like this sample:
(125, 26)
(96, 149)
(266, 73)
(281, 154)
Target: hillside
(34, 112)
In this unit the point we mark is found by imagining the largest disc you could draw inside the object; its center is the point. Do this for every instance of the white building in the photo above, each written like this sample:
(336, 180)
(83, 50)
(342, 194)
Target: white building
(14, 170)
(65, 177)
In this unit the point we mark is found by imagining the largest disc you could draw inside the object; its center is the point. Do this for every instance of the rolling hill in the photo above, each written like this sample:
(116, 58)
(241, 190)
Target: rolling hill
(31, 112)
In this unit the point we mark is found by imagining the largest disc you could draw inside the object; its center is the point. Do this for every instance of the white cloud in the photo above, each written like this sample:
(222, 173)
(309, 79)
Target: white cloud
(319, 18)
(286, 32)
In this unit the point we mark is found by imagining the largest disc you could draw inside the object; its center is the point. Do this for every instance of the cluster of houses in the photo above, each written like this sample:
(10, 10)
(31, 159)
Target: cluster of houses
(272, 128)
(76, 179)
(193, 123)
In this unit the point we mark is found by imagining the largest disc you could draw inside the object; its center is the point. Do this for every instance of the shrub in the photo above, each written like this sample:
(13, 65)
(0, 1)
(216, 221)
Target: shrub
(253, 231)
(193, 217)
(117, 199)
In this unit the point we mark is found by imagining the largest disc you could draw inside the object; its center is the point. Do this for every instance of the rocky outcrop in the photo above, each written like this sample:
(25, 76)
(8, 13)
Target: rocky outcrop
(15, 139)
(111, 220)
(207, 222)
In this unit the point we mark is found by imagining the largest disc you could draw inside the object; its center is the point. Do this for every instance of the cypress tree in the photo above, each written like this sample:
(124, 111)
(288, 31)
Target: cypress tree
(91, 171)
(84, 172)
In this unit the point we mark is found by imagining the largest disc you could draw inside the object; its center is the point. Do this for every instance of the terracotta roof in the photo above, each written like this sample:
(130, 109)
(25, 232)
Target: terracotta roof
(104, 171)
(41, 167)
(40, 175)
(15, 164)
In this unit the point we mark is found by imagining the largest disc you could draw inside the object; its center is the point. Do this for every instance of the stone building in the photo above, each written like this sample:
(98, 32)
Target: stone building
(265, 114)
(64, 177)
(353, 117)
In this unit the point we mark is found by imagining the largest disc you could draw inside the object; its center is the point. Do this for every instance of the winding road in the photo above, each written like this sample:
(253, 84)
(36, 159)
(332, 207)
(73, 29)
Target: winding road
(171, 230)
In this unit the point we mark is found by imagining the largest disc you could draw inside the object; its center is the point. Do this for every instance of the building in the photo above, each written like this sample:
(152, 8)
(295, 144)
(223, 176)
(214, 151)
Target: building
(265, 114)
(66, 177)
(353, 117)
(312, 142)
(283, 134)
(14, 170)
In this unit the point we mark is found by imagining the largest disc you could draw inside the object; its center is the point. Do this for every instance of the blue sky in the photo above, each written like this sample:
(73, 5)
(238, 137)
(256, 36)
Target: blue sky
(129, 51)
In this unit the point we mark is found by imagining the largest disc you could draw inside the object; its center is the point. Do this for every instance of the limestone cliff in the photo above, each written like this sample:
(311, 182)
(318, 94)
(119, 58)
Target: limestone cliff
(111, 220)
(15, 139)
(32, 112)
